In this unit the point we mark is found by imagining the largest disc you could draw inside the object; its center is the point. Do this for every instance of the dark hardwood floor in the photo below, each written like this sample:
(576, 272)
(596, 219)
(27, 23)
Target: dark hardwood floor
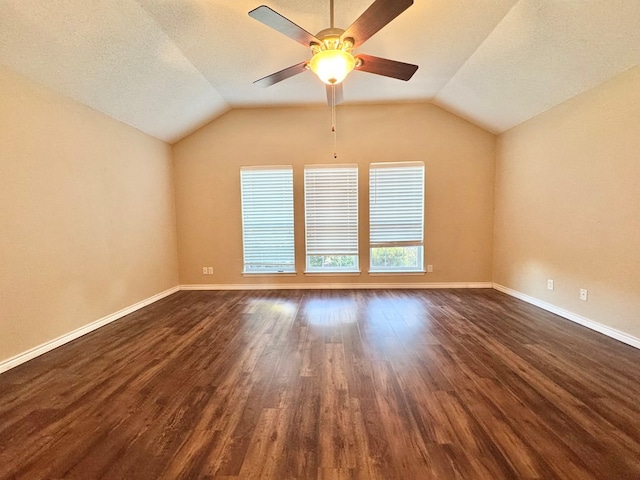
(436, 384)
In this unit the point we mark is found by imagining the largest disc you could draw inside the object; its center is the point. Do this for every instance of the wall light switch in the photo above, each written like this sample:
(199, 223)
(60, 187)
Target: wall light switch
(583, 294)
(204, 270)
(210, 270)
(429, 268)
(549, 284)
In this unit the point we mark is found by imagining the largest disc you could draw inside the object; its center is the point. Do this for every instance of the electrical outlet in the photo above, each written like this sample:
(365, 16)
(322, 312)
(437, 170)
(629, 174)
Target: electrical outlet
(549, 284)
(583, 294)
(210, 270)
(429, 268)
(204, 270)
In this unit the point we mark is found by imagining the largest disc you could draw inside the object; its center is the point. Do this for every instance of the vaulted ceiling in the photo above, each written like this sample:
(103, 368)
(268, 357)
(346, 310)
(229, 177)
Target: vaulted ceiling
(167, 67)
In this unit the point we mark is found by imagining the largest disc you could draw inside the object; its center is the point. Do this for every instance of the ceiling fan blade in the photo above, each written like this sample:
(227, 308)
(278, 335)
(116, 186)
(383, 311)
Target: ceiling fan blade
(273, 19)
(374, 18)
(334, 94)
(281, 75)
(386, 67)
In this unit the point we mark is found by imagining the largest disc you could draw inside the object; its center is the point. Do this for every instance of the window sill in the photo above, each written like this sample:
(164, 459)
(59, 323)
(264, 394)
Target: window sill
(391, 272)
(269, 274)
(332, 274)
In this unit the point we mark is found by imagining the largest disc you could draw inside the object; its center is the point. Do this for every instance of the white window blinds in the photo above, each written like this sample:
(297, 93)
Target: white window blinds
(396, 204)
(331, 209)
(267, 219)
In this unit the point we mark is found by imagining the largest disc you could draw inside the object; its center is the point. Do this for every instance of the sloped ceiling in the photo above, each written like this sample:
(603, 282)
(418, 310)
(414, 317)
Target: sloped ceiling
(167, 67)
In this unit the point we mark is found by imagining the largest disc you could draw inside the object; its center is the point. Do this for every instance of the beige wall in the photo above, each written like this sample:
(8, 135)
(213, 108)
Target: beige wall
(568, 205)
(459, 160)
(87, 224)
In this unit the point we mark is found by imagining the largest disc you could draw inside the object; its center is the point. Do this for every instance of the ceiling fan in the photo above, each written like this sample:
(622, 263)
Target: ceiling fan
(332, 48)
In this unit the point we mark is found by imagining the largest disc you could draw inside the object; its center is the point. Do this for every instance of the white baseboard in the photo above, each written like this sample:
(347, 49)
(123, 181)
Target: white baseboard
(335, 286)
(57, 342)
(585, 322)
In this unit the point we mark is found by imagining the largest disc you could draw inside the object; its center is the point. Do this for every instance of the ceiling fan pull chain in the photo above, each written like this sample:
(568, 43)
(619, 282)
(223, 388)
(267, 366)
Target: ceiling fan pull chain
(333, 122)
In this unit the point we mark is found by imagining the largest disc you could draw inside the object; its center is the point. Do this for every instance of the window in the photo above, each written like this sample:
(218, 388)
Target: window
(267, 219)
(331, 218)
(396, 216)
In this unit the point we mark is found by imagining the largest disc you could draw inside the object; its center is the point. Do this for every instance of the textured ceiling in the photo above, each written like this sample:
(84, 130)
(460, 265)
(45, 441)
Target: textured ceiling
(167, 67)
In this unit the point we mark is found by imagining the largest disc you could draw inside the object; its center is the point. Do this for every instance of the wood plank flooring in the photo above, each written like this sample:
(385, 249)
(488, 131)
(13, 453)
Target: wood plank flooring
(401, 384)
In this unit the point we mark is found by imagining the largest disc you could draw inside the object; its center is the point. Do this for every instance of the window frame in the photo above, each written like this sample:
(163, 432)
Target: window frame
(322, 199)
(408, 232)
(282, 242)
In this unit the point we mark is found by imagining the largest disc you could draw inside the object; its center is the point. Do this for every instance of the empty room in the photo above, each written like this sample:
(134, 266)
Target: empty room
(364, 239)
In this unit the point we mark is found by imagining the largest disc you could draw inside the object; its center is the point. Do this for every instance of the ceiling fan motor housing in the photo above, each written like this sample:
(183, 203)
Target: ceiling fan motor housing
(330, 38)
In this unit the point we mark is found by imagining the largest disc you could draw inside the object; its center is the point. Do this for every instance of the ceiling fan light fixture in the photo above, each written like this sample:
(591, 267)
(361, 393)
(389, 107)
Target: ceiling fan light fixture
(332, 66)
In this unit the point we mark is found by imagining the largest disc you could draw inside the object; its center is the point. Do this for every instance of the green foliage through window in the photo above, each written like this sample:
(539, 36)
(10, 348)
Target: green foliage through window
(396, 258)
(337, 262)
